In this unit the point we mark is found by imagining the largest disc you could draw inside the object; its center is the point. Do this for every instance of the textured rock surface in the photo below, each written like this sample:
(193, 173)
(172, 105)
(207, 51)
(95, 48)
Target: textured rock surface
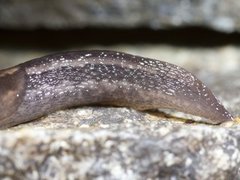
(121, 143)
(221, 15)
(129, 150)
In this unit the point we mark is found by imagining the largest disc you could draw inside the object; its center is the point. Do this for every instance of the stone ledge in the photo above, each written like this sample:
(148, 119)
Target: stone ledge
(155, 14)
(165, 150)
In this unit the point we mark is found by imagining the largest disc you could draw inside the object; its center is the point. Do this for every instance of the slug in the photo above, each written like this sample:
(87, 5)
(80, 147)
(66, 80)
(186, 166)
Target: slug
(58, 81)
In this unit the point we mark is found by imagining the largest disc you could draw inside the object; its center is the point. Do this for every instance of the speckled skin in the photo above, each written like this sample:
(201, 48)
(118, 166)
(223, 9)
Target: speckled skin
(44, 85)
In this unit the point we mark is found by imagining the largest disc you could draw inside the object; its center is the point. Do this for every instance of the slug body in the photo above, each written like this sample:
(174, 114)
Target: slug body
(44, 85)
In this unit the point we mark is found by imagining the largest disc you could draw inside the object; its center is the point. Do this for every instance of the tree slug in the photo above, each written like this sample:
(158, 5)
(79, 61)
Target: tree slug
(50, 83)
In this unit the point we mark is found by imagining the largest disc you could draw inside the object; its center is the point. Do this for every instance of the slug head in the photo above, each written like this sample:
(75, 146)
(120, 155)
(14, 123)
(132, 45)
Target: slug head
(12, 86)
(198, 100)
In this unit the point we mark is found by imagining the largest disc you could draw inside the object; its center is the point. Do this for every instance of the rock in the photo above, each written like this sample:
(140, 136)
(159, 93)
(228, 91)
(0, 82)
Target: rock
(130, 150)
(219, 15)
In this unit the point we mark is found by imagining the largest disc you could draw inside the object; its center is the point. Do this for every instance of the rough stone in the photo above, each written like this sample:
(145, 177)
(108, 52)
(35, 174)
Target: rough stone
(220, 15)
(130, 150)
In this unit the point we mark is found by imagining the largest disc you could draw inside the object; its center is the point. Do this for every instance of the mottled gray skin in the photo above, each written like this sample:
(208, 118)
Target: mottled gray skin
(44, 85)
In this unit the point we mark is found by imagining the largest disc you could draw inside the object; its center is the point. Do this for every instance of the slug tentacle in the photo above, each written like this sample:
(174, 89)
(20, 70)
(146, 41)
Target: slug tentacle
(44, 85)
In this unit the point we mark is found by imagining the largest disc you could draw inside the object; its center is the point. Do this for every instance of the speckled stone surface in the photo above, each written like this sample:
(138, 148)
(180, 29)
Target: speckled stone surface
(220, 15)
(122, 143)
(132, 149)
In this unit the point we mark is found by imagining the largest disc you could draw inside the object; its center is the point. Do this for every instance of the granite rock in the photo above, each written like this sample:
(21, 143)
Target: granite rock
(220, 15)
(130, 150)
